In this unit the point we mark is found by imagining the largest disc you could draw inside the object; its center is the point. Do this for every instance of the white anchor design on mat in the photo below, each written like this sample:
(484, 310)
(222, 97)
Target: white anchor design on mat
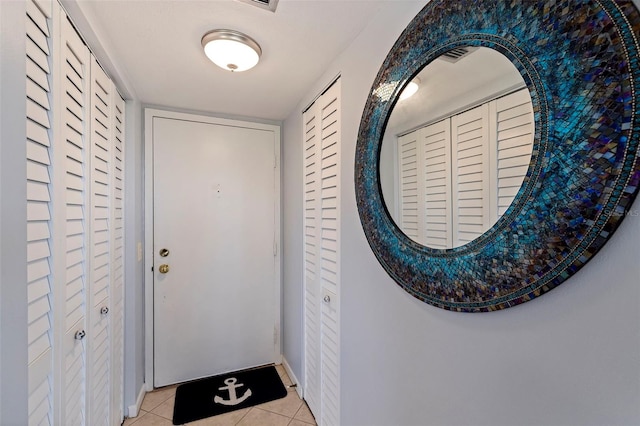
(233, 398)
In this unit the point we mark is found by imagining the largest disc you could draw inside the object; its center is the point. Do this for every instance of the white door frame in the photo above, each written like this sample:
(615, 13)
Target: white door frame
(150, 114)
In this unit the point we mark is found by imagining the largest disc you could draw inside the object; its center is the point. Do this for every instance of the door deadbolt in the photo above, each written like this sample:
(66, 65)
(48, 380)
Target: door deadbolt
(164, 268)
(164, 252)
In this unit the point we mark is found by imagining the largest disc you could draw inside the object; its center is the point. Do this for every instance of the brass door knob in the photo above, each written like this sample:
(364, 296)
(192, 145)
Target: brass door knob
(164, 268)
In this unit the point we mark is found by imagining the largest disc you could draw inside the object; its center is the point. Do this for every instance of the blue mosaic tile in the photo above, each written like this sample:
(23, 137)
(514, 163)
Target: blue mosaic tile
(580, 62)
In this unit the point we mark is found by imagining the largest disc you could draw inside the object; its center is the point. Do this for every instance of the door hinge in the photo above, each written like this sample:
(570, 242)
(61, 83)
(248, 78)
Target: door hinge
(275, 161)
(275, 335)
(275, 249)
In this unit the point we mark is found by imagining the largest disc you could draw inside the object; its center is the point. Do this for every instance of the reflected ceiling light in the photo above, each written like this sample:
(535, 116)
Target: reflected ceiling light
(231, 50)
(411, 89)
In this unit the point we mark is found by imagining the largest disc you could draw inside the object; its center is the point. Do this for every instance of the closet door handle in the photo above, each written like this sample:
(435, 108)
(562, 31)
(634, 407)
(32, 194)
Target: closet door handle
(79, 335)
(104, 310)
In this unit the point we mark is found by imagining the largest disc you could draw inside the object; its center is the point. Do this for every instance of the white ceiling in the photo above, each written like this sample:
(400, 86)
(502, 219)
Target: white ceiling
(155, 45)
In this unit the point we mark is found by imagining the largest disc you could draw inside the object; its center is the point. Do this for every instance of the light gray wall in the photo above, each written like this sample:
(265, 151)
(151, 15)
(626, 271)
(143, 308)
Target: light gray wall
(568, 357)
(134, 271)
(13, 207)
(292, 249)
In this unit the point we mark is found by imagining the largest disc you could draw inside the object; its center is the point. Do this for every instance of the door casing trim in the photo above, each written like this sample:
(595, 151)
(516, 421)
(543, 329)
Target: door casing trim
(149, 115)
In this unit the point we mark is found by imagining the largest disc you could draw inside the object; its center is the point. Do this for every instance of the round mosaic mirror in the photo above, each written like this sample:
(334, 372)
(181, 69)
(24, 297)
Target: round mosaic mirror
(579, 60)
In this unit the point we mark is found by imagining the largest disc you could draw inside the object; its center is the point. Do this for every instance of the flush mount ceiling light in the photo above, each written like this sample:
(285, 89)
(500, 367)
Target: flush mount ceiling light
(411, 89)
(231, 50)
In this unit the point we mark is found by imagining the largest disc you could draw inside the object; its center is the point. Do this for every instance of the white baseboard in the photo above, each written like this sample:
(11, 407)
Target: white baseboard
(292, 376)
(133, 410)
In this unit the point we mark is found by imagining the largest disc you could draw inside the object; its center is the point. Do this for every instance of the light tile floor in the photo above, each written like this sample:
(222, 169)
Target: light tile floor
(157, 410)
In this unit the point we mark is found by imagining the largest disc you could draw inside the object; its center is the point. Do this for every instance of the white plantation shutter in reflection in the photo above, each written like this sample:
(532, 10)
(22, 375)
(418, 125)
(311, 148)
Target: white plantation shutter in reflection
(435, 186)
(410, 214)
(74, 98)
(514, 128)
(39, 242)
(471, 174)
(100, 245)
(321, 257)
(470, 165)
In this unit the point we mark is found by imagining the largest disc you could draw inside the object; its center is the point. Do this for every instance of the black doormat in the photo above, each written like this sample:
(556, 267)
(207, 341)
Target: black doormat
(227, 392)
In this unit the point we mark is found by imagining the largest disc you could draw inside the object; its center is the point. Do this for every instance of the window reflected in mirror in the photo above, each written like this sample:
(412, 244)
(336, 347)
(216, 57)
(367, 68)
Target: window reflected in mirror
(455, 153)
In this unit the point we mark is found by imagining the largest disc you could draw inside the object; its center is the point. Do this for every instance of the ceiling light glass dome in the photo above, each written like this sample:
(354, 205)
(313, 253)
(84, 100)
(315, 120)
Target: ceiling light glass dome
(231, 50)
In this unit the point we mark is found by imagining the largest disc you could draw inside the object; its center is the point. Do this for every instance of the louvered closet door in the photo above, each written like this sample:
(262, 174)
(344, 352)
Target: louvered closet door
(329, 253)
(435, 177)
(75, 229)
(39, 224)
(101, 175)
(471, 174)
(71, 164)
(514, 134)
(322, 255)
(117, 271)
(311, 259)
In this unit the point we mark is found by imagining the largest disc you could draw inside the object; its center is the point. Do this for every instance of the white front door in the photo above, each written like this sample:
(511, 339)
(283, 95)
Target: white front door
(216, 302)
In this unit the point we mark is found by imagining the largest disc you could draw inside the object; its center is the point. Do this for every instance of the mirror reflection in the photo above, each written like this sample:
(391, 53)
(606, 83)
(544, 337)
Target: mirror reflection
(455, 153)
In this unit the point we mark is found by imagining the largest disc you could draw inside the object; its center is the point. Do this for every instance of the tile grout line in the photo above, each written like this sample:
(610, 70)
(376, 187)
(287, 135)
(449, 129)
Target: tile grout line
(240, 419)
